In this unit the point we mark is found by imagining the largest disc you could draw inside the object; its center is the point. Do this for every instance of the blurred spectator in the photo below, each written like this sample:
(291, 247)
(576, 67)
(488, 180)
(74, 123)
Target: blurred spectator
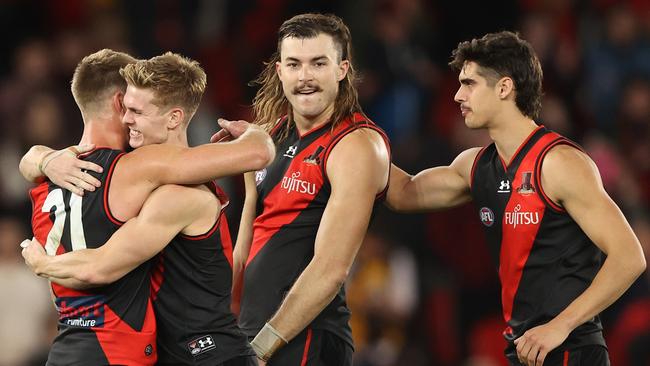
(622, 51)
(26, 310)
(382, 295)
(633, 124)
(397, 70)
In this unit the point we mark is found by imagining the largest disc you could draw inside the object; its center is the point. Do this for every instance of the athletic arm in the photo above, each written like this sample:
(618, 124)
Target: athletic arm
(357, 170)
(161, 164)
(244, 240)
(432, 189)
(571, 179)
(162, 217)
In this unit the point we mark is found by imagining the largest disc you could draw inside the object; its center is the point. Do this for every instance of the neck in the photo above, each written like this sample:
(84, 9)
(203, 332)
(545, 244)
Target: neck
(178, 139)
(509, 133)
(104, 132)
(306, 124)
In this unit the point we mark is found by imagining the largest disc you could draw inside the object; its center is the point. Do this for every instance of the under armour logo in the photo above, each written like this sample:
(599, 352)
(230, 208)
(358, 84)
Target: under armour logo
(504, 187)
(205, 342)
(201, 345)
(291, 151)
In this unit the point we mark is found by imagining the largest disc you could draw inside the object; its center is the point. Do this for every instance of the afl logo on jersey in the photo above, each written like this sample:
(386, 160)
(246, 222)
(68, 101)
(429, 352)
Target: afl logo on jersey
(259, 176)
(487, 216)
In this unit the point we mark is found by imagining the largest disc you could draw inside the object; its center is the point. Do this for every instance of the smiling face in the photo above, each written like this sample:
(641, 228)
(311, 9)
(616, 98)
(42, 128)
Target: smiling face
(478, 98)
(146, 121)
(310, 70)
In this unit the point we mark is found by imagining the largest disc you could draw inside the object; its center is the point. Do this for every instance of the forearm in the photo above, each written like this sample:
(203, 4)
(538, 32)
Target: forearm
(212, 161)
(310, 294)
(73, 270)
(29, 164)
(240, 256)
(244, 240)
(70, 283)
(614, 278)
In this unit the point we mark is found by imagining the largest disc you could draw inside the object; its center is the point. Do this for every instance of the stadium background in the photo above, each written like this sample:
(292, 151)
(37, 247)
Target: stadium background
(423, 289)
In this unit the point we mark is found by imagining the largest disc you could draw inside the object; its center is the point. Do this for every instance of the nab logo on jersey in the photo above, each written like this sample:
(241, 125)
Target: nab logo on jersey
(487, 216)
(201, 345)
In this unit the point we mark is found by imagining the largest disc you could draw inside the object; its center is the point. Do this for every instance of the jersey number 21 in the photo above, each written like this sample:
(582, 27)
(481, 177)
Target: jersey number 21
(77, 239)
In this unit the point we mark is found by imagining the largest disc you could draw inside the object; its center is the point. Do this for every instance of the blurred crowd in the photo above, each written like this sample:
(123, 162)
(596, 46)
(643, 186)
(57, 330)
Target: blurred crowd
(424, 289)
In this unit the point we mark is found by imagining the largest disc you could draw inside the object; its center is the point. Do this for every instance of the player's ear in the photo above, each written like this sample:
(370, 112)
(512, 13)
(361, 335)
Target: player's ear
(344, 66)
(118, 102)
(505, 87)
(176, 116)
(278, 69)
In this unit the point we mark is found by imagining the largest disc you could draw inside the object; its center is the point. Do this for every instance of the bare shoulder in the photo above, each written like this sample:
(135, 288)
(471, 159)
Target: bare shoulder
(567, 162)
(363, 141)
(464, 161)
(362, 154)
(360, 147)
(568, 172)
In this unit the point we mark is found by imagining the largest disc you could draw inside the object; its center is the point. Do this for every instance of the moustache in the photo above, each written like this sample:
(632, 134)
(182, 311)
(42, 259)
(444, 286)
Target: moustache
(311, 87)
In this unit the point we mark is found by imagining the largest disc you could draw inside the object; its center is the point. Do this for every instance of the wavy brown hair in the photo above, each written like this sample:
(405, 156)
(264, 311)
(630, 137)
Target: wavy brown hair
(270, 103)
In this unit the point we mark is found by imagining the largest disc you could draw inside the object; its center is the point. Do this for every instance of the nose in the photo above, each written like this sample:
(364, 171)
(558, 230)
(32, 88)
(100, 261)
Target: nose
(127, 118)
(460, 97)
(305, 73)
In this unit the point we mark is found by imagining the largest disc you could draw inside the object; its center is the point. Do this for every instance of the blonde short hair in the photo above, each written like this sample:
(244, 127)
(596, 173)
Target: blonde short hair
(175, 80)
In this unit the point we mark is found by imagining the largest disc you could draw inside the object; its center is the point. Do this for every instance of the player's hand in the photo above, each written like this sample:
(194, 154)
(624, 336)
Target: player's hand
(33, 253)
(260, 362)
(67, 171)
(537, 342)
(230, 130)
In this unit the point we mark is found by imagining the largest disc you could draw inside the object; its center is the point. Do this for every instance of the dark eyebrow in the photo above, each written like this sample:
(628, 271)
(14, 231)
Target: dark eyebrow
(317, 58)
(467, 81)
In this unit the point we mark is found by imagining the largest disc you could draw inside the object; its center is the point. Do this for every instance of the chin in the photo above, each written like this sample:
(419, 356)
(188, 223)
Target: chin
(310, 113)
(474, 125)
(135, 144)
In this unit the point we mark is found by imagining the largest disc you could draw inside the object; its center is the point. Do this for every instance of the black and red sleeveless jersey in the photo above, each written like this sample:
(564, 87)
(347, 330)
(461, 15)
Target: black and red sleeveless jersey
(112, 324)
(292, 194)
(192, 284)
(544, 258)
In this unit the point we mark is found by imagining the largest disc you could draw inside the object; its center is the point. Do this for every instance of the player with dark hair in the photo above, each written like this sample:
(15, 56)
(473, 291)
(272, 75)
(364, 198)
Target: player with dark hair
(541, 201)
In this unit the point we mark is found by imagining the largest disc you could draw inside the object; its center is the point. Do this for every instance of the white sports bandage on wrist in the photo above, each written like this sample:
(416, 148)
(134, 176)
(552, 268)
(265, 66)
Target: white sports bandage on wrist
(267, 341)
